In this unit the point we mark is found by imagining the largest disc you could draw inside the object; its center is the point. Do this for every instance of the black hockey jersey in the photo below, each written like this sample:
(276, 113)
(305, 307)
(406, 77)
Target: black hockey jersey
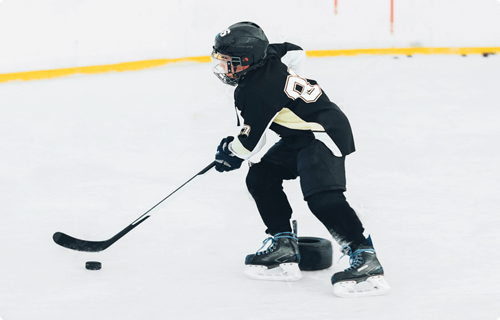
(273, 96)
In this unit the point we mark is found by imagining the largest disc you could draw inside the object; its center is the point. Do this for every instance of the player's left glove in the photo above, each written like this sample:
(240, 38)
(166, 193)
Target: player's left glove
(225, 160)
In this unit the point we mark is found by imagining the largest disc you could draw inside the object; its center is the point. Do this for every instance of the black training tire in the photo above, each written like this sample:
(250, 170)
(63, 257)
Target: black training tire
(315, 253)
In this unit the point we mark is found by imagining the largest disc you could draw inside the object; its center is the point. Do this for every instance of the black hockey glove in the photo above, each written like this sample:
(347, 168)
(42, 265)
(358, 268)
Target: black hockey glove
(225, 160)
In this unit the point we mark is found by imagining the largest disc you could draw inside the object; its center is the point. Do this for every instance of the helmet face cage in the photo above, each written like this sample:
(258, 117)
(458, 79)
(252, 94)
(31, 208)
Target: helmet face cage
(228, 69)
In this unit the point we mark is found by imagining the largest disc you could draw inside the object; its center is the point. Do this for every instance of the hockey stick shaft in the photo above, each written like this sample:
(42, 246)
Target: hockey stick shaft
(70, 242)
(145, 215)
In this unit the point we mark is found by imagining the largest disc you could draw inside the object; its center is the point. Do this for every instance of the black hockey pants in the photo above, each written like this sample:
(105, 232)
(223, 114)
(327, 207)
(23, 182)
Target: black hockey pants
(265, 184)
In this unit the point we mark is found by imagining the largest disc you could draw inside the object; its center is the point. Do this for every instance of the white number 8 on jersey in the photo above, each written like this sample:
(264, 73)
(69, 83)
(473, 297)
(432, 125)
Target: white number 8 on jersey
(297, 87)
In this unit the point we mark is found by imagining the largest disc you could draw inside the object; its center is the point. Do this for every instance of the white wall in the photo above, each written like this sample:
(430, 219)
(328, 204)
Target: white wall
(51, 34)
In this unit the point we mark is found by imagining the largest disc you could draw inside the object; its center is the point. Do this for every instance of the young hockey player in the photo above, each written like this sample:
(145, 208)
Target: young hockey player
(315, 139)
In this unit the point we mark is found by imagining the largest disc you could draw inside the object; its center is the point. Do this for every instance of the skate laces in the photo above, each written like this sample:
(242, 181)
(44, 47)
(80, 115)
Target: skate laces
(277, 236)
(355, 258)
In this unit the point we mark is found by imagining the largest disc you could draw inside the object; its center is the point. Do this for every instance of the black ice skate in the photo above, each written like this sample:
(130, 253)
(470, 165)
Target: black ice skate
(280, 261)
(364, 277)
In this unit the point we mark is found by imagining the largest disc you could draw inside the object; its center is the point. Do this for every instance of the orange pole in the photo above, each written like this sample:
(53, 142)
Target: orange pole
(335, 7)
(392, 16)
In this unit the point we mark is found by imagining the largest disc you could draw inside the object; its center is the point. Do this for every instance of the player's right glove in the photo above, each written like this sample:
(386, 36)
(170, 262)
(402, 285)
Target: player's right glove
(225, 160)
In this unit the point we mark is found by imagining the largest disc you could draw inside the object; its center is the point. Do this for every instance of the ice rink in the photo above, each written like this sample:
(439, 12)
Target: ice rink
(87, 155)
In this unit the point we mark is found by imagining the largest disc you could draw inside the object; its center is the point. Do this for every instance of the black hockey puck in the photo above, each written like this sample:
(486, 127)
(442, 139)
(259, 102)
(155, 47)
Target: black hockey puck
(93, 265)
(315, 253)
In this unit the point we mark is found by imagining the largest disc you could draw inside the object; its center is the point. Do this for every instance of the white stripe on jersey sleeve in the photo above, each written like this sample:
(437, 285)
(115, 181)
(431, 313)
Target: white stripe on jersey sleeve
(294, 60)
(243, 153)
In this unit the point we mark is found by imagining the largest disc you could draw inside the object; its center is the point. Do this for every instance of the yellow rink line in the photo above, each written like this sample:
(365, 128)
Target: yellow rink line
(403, 51)
(139, 65)
(118, 67)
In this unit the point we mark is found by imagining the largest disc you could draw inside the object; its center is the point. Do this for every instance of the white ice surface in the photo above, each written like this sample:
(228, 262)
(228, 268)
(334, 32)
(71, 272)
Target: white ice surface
(87, 155)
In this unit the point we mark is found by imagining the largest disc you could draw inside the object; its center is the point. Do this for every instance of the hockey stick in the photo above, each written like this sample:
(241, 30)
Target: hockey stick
(69, 242)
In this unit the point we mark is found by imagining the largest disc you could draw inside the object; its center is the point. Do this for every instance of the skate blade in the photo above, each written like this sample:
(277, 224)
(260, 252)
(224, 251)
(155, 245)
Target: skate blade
(373, 286)
(285, 272)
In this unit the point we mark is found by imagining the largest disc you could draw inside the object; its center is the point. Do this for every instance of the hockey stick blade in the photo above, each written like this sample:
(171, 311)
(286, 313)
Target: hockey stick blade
(73, 243)
(70, 242)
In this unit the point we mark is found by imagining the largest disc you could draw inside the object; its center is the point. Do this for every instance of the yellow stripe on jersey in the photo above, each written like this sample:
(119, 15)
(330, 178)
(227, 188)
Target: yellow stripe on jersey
(288, 119)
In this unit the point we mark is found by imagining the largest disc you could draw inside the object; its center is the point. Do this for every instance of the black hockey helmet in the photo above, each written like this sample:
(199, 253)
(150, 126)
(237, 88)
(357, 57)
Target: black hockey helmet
(237, 50)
